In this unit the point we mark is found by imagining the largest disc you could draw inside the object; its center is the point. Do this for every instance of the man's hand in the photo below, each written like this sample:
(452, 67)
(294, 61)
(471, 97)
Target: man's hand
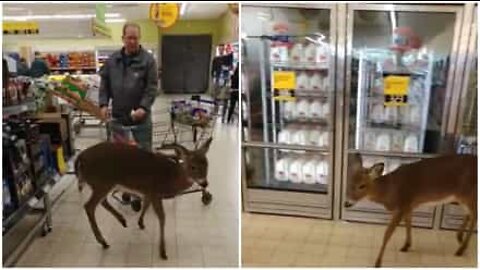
(104, 112)
(139, 114)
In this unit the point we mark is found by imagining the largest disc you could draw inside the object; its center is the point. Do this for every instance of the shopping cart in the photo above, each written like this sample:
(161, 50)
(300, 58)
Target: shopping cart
(189, 122)
(118, 133)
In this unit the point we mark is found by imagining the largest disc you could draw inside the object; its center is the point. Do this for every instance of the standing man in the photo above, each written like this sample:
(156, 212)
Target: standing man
(129, 80)
(39, 67)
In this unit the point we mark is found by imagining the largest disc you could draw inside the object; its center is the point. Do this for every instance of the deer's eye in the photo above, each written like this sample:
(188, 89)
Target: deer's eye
(362, 186)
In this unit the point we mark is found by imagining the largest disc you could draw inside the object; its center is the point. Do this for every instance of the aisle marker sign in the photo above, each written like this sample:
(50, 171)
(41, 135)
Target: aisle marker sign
(284, 80)
(164, 15)
(20, 28)
(396, 90)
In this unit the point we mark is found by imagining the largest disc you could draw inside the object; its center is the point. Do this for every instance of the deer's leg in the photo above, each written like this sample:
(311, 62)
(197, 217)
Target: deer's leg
(114, 212)
(462, 228)
(473, 223)
(158, 207)
(397, 217)
(146, 204)
(408, 225)
(90, 206)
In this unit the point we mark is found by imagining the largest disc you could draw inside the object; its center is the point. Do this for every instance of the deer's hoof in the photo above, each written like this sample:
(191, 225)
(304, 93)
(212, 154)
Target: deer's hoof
(459, 252)
(378, 264)
(164, 255)
(142, 227)
(105, 245)
(124, 223)
(405, 248)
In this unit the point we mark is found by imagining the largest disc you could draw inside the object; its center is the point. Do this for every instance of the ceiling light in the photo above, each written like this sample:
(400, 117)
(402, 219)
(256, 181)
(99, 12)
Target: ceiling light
(57, 17)
(183, 9)
(119, 20)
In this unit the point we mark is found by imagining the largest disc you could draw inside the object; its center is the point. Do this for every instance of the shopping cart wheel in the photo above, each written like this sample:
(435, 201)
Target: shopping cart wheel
(136, 205)
(206, 198)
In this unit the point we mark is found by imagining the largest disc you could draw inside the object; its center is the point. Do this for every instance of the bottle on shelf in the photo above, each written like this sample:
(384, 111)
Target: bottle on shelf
(295, 171)
(321, 172)
(282, 169)
(308, 172)
(296, 53)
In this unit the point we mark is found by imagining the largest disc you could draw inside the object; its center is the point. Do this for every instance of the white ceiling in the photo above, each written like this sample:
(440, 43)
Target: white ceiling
(129, 11)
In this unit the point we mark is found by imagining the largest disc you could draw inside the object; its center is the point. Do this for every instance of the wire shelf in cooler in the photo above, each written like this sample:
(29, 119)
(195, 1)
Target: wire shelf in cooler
(290, 186)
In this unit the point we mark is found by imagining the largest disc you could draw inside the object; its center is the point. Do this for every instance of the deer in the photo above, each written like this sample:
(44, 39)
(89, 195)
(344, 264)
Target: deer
(433, 181)
(154, 176)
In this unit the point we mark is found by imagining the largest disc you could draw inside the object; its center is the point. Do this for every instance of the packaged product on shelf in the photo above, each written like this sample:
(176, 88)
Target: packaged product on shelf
(316, 82)
(299, 137)
(323, 139)
(414, 115)
(370, 139)
(289, 111)
(397, 141)
(297, 52)
(295, 171)
(376, 113)
(284, 137)
(323, 53)
(314, 137)
(326, 110)
(279, 52)
(326, 84)
(321, 172)
(302, 81)
(308, 172)
(310, 53)
(411, 144)
(302, 109)
(390, 115)
(383, 142)
(282, 169)
(316, 110)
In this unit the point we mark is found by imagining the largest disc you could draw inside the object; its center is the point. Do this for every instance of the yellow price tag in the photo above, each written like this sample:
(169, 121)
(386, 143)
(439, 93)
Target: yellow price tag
(164, 15)
(284, 80)
(396, 85)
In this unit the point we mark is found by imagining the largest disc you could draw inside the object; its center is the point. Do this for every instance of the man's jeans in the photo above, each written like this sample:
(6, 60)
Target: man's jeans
(142, 133)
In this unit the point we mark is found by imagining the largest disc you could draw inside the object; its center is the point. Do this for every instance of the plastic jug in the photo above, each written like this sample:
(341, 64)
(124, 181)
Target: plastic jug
(316, 110)
(308, 172)
(310, 52)
(321, 172)
(289, 110)
(302, 109)
(282, 169)
(316, 82)
(302, 81)
(314, 137)
(295, 171)
(411, 144)
(383, 142)
(296, 53)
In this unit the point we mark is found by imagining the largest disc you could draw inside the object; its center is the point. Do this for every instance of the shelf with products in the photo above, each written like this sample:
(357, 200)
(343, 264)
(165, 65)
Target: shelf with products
(73, 60)
(385, 127)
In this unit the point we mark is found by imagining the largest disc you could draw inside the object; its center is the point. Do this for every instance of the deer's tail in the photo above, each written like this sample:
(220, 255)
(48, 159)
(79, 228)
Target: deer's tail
(78, 172)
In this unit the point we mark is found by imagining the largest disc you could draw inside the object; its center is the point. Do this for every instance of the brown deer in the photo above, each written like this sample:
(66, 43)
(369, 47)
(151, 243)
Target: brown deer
(432, 180)
(155, 176)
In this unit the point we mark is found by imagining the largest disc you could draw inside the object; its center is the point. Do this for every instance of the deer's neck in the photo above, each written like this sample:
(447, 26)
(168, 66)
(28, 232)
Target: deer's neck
(380, 191)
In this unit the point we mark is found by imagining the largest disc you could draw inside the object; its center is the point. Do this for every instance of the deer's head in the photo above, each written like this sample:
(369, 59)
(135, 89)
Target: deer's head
(360, 179)
(194, 162)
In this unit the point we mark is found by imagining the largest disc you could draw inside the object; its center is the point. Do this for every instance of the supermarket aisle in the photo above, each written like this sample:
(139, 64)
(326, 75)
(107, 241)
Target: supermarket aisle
(277, 241)
(196, 235)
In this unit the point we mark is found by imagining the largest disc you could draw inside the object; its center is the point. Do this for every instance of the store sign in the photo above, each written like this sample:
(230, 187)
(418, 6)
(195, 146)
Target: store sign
(396, 90)
(99, 26)
(20, 28)
(284, 80)
(164, 15)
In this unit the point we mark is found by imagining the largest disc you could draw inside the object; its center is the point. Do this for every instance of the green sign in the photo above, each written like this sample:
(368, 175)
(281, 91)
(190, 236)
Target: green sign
(99, 26)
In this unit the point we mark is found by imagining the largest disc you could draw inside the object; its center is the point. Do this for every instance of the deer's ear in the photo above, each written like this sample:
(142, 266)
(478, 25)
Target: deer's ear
(355, 161)
(376, 170)
(205, 146)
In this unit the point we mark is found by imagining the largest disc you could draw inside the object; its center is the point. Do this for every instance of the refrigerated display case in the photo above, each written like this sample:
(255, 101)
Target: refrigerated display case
(288, 77)
(386, 44)
(452, 214)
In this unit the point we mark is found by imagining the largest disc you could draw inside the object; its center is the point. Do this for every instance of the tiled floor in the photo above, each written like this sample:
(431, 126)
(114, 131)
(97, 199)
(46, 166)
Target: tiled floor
(196, 235)
(269, 241)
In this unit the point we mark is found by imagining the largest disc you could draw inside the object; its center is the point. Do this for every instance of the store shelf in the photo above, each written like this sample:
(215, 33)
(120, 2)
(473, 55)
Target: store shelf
(312, 93)
(20, 108)
(308, 121)
(300, 65)
(290, 186)
(73, 68)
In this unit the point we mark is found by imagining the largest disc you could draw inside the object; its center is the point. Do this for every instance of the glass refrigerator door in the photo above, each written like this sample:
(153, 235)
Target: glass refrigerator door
(288, 70)
(452, 214)
(400, 62)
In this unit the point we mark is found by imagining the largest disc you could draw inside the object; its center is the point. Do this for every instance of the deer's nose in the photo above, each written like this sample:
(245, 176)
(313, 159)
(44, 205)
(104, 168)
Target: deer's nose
(203, 184)
(348, 204)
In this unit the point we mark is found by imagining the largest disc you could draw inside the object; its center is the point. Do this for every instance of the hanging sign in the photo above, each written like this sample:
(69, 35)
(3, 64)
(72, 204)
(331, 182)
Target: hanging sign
(99, 26)
(396, 90)
(284, 80)
(20, 28)
(164, 15)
